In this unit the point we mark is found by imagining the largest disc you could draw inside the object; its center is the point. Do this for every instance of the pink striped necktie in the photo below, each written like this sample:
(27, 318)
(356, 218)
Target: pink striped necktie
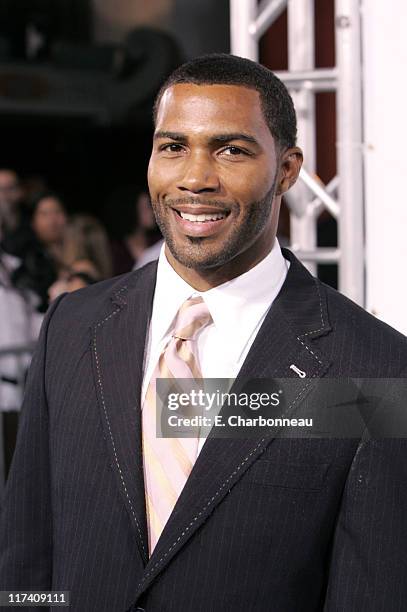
(169, 461)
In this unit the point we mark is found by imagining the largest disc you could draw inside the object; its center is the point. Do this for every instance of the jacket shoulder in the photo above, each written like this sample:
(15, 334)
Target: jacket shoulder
(342, 308)
(85, 307)
(363, 338)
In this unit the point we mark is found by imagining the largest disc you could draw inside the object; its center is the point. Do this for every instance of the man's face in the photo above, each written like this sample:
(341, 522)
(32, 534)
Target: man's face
(212, 175)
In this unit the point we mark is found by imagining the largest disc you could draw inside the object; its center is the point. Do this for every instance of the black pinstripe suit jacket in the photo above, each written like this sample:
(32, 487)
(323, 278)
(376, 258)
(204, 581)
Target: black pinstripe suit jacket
(281, 525)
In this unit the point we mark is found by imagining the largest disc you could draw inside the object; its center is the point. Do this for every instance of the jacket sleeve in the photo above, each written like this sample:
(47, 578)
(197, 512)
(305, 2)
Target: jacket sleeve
(26, 519)
(368, 568)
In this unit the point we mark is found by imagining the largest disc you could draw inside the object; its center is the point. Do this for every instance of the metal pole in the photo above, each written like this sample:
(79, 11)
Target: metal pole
(320, 79)
(349, 146)
(321, 192)
(301, 51)
(269, 11)
(323, 255)
(242, 16)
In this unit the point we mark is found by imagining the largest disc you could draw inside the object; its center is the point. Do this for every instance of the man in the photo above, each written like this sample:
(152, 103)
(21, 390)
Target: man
(98, 505)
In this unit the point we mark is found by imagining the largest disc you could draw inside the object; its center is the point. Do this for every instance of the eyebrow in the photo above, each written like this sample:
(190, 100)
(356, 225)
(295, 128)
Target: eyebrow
(179, 137)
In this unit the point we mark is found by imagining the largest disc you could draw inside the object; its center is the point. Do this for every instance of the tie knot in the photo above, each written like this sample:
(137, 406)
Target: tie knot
(191, 318)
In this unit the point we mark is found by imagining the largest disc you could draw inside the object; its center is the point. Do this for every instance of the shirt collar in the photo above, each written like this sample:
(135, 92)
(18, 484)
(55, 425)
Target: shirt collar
(236, 306)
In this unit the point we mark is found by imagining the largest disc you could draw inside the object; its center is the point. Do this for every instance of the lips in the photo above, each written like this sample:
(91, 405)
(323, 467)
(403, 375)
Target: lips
(202, 217)
(201, 222)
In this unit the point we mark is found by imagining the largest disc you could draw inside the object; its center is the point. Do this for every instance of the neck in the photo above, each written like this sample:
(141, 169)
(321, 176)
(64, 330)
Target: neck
(203, 279)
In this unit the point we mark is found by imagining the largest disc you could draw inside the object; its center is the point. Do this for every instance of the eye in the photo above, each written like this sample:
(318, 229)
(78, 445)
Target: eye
(233, 151)
(172, 147)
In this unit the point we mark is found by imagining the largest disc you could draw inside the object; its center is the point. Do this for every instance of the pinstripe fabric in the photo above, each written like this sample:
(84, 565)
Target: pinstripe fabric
(283, 525)
(168, 461)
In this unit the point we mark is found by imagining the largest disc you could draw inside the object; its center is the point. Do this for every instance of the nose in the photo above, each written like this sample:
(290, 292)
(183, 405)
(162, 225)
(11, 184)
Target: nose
(199, 175)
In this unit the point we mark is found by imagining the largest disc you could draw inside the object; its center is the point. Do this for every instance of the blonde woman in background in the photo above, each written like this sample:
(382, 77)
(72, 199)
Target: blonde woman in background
(86, 255)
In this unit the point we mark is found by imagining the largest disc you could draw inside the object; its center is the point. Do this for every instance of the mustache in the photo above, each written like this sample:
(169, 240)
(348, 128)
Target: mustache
(198, 201)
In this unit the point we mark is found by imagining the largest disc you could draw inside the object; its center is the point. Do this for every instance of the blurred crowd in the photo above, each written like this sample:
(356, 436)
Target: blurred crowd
(45, 251)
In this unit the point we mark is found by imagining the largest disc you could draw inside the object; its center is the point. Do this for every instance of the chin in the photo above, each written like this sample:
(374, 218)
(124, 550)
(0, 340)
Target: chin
(196, 259)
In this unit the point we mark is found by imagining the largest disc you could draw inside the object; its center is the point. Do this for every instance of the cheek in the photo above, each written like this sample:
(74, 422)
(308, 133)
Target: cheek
(247, 188)
(159, 178)
(39, 225)
(151, 177)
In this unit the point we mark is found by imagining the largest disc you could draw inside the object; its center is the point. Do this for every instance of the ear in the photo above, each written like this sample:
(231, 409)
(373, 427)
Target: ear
(290, 166)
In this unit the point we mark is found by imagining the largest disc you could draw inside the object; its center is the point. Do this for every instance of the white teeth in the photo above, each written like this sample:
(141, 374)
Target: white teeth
(213, 217)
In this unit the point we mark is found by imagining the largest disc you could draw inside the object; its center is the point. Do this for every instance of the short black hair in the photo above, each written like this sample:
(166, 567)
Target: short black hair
(224, 69)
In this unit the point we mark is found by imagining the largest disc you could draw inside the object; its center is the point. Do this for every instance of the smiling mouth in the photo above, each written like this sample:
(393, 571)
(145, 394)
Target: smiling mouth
(203, 217)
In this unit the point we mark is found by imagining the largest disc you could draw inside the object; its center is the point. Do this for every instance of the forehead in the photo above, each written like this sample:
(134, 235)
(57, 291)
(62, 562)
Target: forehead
(49, 202)
(207, 108)
(7, 177)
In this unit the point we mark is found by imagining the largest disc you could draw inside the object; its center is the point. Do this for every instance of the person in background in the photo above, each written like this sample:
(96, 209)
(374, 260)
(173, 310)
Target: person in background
(38, 243)
(131, 226)
(152, 233)
(86, 255)
(19, 329)
(19, 321)
(11, 196)
(48, 223)
(147, 220)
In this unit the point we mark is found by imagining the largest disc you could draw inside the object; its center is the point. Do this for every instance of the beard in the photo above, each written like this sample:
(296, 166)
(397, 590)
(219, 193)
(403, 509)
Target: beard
(203, 253)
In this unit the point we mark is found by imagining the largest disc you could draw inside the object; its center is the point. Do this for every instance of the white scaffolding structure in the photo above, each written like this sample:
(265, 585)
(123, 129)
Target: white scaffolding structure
(343, 196)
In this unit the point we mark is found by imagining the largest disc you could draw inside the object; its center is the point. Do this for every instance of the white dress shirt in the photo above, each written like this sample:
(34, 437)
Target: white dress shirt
(238, 308)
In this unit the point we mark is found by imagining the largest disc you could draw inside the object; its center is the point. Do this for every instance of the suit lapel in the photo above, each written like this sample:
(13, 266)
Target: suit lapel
(298, 315)
(118, 353)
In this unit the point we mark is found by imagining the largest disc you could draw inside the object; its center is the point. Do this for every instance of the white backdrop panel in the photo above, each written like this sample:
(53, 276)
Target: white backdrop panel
(385, 124)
